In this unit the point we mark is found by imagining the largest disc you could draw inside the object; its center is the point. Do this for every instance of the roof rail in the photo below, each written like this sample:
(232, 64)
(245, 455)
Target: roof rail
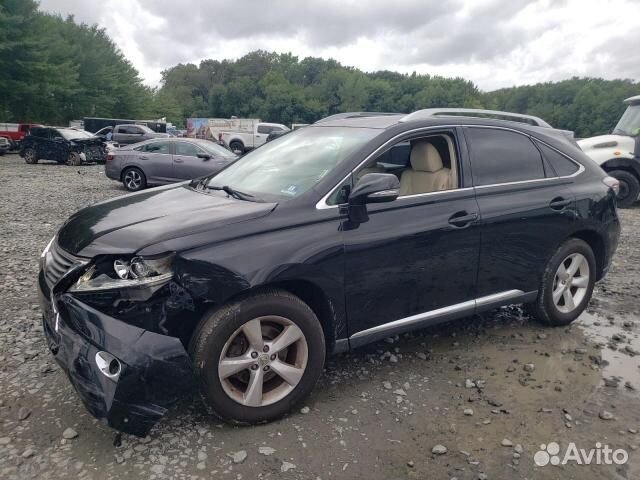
(478, 113)
(340, 116)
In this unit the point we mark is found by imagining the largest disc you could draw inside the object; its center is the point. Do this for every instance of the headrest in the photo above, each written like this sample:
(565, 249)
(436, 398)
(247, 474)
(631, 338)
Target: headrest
(425, 157)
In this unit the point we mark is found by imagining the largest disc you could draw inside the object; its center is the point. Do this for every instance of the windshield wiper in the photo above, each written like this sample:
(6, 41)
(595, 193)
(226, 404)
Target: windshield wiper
(235, 193)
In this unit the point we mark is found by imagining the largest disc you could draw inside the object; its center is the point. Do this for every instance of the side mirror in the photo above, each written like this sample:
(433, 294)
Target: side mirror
(375, 188)
(635, 132)
(204, 156)
(371, 188)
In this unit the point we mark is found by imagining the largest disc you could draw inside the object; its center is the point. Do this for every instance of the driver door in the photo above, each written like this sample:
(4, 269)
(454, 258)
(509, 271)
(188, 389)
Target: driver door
(188, 165)
(415, 261)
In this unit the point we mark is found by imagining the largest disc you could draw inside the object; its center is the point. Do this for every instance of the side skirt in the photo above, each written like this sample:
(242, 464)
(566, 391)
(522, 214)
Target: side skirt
(440, 315)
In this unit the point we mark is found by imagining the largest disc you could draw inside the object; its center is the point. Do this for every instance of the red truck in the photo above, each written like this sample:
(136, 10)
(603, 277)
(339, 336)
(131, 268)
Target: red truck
(15, 132)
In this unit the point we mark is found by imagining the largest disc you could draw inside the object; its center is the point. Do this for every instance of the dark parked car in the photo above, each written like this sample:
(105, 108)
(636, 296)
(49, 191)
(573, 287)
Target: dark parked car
(64, 145)
(128, 134)
(158, 162)
(347, 231)
(5, 145)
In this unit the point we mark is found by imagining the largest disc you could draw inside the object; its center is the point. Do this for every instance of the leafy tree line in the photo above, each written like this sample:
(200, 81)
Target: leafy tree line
(53, 70)
(282, 88)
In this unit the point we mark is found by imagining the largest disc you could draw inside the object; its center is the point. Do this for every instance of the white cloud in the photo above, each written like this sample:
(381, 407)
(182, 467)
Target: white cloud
(495, 43)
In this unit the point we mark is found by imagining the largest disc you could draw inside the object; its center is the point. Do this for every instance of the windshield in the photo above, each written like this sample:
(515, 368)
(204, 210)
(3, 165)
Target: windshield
(629, 121)
(72, 134)
(215, 149)
(292, 164)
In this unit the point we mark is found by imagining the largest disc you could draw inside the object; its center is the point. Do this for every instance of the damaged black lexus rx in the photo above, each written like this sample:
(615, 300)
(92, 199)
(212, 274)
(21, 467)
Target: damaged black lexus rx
(356, 228)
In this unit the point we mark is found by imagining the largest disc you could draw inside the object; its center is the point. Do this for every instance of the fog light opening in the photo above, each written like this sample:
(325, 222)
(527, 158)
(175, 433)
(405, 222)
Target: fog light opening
(109, 365)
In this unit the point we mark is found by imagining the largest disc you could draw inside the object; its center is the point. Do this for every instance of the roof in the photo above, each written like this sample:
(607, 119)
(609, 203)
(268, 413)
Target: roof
(432, 116)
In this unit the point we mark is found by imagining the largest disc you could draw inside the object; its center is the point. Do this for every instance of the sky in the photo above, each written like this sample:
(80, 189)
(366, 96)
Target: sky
(494, 43)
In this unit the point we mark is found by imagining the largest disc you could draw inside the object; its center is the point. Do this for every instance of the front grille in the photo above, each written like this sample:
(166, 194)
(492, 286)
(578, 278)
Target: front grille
(57, 263)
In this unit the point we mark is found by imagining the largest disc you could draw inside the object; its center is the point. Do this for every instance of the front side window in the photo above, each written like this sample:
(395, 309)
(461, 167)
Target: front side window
(187, 149)
(38, 132)
(295, 163)
(502, 156)
(423, 164)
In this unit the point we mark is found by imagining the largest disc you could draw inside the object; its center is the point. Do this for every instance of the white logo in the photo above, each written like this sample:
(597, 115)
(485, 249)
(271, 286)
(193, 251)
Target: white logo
(601, 455)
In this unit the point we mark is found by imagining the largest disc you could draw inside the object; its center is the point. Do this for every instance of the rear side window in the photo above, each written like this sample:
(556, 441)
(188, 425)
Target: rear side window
(38, 132)
(264, 129)
(560, 164)
(501, 156)
(157, 147)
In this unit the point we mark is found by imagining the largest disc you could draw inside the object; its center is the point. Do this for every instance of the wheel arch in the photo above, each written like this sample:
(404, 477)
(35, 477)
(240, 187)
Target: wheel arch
(628, 164)
(597, 245)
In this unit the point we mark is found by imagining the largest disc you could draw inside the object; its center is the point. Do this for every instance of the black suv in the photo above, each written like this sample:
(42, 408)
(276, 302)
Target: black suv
(350, 230)
(63, 145)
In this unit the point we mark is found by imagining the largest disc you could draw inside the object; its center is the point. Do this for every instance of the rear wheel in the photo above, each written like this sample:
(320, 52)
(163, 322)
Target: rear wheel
(74, 159)
(237, 147)
(30, 156)
(256, 358)
(629, 187)
(134, 179)
(567, 284)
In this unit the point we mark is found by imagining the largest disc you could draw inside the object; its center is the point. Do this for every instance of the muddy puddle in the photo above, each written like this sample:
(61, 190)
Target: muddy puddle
(619, 339)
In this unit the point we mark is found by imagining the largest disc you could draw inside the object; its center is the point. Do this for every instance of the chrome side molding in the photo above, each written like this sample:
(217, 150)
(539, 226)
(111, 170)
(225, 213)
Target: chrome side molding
(468, 306)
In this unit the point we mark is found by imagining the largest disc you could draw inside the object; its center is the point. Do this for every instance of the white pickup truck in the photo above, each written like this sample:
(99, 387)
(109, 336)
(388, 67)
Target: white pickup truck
(242, 134)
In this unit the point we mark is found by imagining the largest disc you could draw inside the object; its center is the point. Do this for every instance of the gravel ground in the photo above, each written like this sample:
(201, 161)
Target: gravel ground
(470, 400)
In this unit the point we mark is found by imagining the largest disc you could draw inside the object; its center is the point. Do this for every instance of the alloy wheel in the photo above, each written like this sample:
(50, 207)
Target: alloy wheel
(571, 283)
(133, 180)
(263, 361)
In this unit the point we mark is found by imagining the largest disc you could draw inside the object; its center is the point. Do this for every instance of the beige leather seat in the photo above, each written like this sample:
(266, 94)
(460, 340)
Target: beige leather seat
(427, 173)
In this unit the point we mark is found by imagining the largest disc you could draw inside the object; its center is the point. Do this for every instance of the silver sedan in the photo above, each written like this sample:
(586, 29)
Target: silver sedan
(162, 161)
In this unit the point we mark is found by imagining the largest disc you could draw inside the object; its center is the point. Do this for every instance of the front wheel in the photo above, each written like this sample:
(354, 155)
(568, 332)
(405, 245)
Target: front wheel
(74, 159)
(257, 357)
(567, 284)
(134, 179)
(629, 188)
(30, 156)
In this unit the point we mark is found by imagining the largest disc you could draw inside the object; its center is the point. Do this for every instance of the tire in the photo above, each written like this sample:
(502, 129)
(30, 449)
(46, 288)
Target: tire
(134, 179)
(231, 398)
(30, 156)
(2, 153)
(560, 313)
(74, 159)
(237, 147)
(629, 187)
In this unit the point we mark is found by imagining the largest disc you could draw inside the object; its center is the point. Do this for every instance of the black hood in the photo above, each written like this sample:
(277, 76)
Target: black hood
(129, 223)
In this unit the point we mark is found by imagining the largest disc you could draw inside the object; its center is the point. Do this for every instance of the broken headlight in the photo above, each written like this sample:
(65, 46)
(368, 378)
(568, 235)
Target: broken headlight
(110, 273)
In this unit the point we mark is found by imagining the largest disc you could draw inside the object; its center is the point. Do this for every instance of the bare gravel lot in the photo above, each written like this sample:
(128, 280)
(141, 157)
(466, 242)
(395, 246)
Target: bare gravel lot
(470, 400)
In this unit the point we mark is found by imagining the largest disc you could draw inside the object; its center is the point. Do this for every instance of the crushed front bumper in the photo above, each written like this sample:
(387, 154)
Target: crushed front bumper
(155, 369)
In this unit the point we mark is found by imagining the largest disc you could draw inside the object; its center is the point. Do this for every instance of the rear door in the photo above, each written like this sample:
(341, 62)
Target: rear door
(526, 209)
